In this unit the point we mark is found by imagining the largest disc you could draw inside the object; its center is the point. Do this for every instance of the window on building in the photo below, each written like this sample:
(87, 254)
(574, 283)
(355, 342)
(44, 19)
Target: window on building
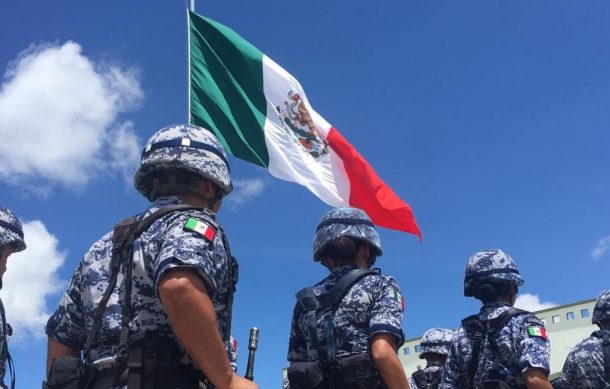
(556, 319)
(543, 321)
(585, 312)
(570, 316)
(406, 351)
(418, 348)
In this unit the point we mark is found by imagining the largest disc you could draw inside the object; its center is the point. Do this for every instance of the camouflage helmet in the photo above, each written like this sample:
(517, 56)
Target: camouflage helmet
(602, 307)
(11, 231)
(185, 148)
(490, 266)
(349, 222)
(436, 341)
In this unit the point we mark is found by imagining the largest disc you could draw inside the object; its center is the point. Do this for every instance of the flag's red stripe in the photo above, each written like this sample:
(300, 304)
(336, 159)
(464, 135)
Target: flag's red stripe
(369, 192)
(209, 233)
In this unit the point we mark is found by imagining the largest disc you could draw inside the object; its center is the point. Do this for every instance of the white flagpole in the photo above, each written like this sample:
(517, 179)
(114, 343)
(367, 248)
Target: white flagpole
(188, 58)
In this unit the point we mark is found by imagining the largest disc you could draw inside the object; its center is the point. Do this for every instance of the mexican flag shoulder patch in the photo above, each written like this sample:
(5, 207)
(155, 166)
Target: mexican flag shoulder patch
(200, 227)
(398, 298)
(539, 332)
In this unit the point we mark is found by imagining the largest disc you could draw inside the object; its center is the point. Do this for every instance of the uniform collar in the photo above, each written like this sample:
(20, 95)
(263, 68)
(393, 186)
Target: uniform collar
(343, 269)
(495, 305)
(167, 200)
(491, 311)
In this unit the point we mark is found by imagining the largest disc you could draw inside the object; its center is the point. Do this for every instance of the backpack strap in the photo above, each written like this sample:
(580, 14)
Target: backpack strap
(475, 331)
(313, 305)
(500, 322)
(311, 302)
(419, 377)
(123, 236)
(478, 331)
(435, 378)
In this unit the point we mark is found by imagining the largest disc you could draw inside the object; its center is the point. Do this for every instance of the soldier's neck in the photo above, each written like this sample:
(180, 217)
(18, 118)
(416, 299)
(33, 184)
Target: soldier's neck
(194, 200)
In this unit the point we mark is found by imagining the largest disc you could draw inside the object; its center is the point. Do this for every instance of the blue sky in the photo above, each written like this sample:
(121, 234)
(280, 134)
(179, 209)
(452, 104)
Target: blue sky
(489, 118)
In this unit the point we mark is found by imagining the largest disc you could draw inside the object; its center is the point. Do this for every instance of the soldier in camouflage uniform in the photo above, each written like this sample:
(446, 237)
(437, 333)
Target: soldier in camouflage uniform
(181, 279)
(587, 366)
(11, 241)
(365, 321)
(434, 349)
(500, 346)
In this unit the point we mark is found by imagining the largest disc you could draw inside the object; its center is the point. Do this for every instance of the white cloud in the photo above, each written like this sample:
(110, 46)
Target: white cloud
(531, 302)
(125, 155)
(59, 118)
(31, 276)
(601, 249)
(245, 190)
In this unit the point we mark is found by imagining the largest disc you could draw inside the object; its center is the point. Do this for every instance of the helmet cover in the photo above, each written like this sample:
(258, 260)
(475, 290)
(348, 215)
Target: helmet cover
(349, 222)
(11, 231)
(494, 266)
(183, 147)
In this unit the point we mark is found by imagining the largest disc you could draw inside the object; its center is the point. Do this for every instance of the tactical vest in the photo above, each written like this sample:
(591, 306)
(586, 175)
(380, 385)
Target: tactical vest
(427, 380)
(478, 331)
(604, 336)
(143, 361)
(329, 372)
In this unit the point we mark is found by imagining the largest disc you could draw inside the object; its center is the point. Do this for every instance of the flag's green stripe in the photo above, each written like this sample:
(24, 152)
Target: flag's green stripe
(191, 224)
(227, 94)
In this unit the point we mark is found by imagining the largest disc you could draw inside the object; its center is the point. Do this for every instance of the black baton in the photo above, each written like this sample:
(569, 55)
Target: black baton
(252, 345)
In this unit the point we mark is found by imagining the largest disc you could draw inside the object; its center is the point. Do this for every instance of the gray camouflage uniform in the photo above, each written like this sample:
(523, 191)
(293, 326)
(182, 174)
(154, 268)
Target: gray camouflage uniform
(11, 233)
(432, 368)
(373, 305)
(165, 245)
(584, 366)
(434, 341)
(519, 346)
(370, 307)
(173, 161)
(517, 351)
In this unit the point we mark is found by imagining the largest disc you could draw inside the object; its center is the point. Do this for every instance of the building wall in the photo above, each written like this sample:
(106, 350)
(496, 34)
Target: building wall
(567, 325)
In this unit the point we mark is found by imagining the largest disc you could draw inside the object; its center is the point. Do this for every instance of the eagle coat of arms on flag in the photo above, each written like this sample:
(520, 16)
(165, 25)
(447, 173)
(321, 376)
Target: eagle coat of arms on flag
(298, 123)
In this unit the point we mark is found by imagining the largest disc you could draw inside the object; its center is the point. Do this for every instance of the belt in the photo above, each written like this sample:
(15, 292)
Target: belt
(176, 377)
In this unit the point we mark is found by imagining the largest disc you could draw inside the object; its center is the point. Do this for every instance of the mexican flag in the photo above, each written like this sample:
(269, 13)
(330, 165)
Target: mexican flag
(261, 114)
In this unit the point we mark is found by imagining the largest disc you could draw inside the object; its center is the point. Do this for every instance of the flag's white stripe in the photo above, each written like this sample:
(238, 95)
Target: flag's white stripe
(325, 177)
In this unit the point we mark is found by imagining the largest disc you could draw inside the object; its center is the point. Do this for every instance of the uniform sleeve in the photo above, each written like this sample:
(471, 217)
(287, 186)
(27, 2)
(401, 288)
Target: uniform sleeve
(232, 352)
(183, 248)
(66, 324)
(451, 372)
(386, 313)
(534, 348)
(297, 345)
